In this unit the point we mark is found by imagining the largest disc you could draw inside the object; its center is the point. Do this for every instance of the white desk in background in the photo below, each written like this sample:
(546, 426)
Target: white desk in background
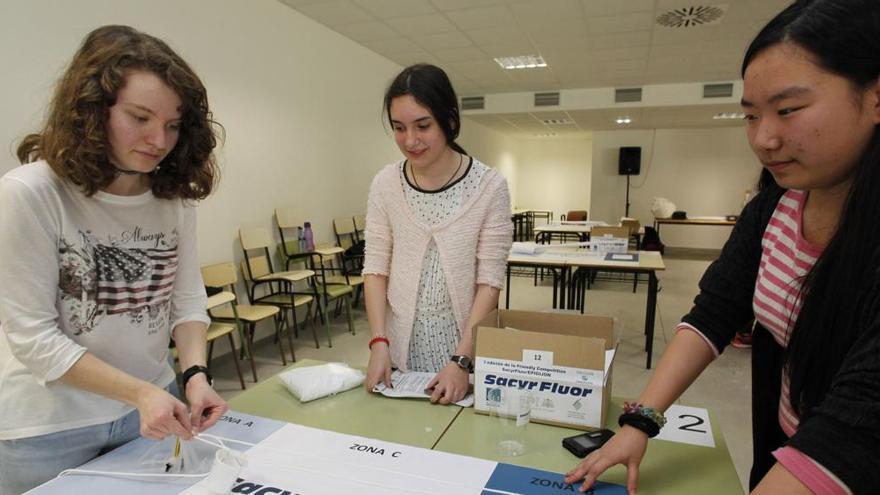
(569, 291)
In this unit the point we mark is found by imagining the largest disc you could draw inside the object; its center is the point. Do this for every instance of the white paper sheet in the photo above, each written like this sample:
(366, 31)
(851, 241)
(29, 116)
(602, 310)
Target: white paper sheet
(686, 424)
(413, 385)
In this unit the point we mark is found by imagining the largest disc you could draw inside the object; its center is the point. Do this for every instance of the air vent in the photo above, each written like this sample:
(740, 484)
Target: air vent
(627, 95)
(697, 15)
(722, 90)
(562, 121)
(473, 103)
(546, 99)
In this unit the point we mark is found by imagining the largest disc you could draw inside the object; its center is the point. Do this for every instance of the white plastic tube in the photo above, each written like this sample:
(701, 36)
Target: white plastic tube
(227, 466)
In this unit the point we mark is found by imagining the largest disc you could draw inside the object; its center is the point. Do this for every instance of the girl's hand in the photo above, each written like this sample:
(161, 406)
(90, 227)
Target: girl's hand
(627, 447)
(379, 368)
(207, 407)
(449, 385)
(162, 414)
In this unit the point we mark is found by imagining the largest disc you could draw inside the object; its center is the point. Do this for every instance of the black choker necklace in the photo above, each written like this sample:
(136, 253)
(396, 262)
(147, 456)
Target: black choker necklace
(125, 171)
(413, 173)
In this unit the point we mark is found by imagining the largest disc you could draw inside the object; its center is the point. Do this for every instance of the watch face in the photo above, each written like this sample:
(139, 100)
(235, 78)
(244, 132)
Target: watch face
(463, 362)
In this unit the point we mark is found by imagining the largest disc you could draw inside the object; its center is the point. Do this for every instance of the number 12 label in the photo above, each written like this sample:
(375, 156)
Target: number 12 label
(687, 425)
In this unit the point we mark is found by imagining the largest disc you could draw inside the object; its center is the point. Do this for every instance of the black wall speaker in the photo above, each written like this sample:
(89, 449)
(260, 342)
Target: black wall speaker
(630, 161)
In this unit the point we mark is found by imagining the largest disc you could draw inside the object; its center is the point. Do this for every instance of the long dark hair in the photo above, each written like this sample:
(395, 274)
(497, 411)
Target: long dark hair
(431, 88)
(73, 140)
(843, 36)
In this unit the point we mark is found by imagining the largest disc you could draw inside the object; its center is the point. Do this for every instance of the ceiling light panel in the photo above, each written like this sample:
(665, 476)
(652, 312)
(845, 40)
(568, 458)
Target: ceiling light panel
(521, 62)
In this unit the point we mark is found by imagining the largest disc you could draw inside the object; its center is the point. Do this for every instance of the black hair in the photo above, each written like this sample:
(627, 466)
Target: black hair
(843, 38)
(431, 88)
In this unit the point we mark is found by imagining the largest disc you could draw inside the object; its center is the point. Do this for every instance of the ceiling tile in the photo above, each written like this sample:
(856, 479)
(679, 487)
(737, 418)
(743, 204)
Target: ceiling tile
(561, 31)
(521, 47)
(638, 21)
(297, 3)
(396, 8)
(547, 12)
(459, 54)
(482, 17)
(391, 46)
(444, 41)
(335, 13)
(594, 8)
(368, 31)
(421, 25)
(418, 57)
(500, 34)
(634, 52)
(446, 5)
(620, 40)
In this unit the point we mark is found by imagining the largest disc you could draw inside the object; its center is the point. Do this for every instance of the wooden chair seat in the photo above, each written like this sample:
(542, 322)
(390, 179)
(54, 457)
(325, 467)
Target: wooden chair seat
(329, 250)
(218, 329)
(288, 276)
(247, 312)
(353, 280)
(284, 300)
(335, 290)
(220, 298)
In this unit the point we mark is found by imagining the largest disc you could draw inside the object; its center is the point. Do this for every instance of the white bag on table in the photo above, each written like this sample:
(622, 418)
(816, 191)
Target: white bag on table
(662, 208)
(313, 382)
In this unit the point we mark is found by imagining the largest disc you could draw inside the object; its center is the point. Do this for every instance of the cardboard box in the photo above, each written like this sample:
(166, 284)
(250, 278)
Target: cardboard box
(563, 360)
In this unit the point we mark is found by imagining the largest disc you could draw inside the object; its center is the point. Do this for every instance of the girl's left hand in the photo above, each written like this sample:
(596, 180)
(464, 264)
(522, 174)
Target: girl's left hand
(207, 407)
(449, 385)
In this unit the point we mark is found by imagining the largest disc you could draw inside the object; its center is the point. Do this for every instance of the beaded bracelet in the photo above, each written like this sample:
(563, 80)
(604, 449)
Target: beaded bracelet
(646, 419)
(378, 339)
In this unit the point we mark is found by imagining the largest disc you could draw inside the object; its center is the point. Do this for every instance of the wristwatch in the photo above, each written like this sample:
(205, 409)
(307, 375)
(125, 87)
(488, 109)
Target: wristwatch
(195, 370)
(464, 363)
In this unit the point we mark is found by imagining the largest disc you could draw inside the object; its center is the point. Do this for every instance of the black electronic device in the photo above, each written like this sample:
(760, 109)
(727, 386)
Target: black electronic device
(630, 160)
(583, 444)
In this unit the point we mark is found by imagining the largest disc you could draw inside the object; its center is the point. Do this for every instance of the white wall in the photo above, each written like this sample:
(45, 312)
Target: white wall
(554, 174)
(492, 148)
(702, 171)
(301, 104)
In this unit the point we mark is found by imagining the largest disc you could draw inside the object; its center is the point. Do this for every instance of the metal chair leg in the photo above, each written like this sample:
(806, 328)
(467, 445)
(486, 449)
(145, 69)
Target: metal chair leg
(235, 360)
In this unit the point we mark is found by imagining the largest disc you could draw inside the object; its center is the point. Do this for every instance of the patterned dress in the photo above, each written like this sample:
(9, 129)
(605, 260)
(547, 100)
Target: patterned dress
(435, 332)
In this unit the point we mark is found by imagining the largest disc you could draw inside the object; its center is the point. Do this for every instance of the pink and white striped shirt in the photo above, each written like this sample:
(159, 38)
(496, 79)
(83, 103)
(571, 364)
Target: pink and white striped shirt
(785, 260)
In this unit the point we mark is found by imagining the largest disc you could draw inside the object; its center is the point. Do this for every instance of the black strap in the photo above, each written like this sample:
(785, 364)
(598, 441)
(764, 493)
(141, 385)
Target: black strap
(641, 423)
(195, 370)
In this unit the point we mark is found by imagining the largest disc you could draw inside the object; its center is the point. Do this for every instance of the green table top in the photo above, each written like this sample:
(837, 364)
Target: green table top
(355, 412)
(668, 467)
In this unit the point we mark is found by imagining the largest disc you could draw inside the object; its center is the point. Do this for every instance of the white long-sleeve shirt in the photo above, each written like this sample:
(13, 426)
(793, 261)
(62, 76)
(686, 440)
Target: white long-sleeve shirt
(111, 275)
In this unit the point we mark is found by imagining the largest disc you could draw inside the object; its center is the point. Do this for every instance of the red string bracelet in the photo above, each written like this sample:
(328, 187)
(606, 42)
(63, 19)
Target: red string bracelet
(378, 339)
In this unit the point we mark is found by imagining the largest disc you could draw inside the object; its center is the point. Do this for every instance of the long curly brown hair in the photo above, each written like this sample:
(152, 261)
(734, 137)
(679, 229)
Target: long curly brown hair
(74, 141)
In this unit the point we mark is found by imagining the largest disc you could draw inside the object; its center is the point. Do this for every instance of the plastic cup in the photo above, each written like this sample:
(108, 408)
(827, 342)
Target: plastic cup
(513, 414)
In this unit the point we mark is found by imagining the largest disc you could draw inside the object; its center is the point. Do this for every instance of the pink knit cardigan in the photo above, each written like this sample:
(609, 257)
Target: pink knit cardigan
(473, 245)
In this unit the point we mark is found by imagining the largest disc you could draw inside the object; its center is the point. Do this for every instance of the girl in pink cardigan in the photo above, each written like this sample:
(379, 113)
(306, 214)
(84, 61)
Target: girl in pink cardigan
(438, 234)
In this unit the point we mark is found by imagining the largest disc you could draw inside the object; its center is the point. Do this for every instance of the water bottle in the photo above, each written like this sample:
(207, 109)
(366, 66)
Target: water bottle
(308, 238)
(301, 242)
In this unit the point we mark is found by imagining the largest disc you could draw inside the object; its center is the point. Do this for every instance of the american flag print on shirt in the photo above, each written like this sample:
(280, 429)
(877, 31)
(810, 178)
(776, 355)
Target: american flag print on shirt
(98, 280)
(133, 279)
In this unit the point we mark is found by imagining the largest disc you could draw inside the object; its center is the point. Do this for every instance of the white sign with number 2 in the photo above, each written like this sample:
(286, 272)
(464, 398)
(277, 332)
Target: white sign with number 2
(687, 425)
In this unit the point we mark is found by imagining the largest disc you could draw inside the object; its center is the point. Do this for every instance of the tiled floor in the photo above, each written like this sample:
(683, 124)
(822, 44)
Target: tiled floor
(724, 388)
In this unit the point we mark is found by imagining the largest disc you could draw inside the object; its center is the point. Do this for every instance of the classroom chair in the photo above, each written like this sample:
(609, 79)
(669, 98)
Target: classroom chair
(223, 276)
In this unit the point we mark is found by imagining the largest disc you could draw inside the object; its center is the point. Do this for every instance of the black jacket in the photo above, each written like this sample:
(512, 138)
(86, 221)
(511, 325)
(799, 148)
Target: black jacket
(842, 432)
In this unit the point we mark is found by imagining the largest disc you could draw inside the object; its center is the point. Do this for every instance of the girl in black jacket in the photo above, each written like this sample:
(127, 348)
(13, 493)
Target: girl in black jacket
(812, 101)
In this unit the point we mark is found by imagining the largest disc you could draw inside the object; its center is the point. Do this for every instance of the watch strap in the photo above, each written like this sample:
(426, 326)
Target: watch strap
(195, 370)
(463, 362)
